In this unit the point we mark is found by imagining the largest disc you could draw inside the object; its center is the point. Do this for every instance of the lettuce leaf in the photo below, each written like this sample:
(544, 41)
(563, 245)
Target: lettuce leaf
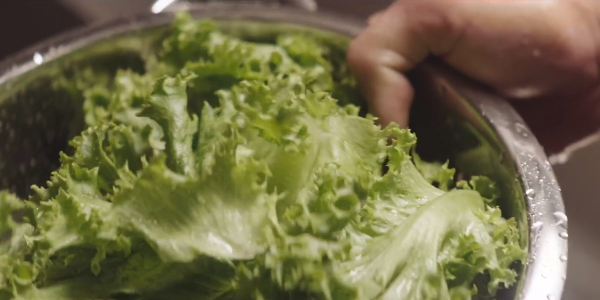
(409, 240)
(234, 170)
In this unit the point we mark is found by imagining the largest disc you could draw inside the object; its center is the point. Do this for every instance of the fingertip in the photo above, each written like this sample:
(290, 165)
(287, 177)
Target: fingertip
(386, 89)
(379, 57)
(391, 102)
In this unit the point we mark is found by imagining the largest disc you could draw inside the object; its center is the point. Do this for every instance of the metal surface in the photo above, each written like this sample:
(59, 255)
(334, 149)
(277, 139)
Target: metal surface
(453, 119)
(174, 5)
(484, 135)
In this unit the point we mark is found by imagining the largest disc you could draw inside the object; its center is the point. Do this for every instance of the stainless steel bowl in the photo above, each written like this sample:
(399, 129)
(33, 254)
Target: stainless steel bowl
(453, 118)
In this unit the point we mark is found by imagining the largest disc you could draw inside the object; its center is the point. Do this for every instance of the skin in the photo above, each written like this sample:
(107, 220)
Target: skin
(543, 56)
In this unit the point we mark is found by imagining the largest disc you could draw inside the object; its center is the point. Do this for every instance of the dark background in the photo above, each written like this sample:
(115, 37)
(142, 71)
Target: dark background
(25, 22)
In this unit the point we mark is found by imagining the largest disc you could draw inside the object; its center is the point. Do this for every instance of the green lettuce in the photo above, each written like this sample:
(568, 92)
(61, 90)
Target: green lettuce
(238, 170)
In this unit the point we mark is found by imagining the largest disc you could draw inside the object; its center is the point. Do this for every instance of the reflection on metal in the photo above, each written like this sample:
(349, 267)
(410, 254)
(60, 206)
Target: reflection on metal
(460, 121)
(310, 5)
(477, 130)
(160, 5)
(38, 59)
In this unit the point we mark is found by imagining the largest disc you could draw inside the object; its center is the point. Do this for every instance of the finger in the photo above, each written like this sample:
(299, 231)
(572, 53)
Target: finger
(395, 42)
(374, 17)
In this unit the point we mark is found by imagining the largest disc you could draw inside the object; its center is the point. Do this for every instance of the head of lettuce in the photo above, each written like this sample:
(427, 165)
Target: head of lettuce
(233, 170)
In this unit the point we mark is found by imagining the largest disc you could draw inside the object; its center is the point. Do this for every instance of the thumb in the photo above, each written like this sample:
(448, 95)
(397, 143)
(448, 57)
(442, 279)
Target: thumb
(395, 41)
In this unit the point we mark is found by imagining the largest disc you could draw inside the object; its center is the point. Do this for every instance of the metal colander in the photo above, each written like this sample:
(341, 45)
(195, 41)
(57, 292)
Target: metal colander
(39, 116)
(31, 137)
(453, 119)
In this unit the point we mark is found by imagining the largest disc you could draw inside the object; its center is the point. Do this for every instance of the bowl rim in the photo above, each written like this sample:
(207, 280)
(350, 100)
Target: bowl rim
(544, 274)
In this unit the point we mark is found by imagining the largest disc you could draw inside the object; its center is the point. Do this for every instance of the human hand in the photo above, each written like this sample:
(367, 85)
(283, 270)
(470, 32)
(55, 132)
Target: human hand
(541, 55)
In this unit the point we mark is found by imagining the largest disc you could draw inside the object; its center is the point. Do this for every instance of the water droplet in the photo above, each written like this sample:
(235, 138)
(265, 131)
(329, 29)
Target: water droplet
(415, 275)
(521, 129)
(38, 59)
(530, 193)
(550, 297)
(561, 219)
(536, 228)
(563, 258)
(563, 235)
(544, 275)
